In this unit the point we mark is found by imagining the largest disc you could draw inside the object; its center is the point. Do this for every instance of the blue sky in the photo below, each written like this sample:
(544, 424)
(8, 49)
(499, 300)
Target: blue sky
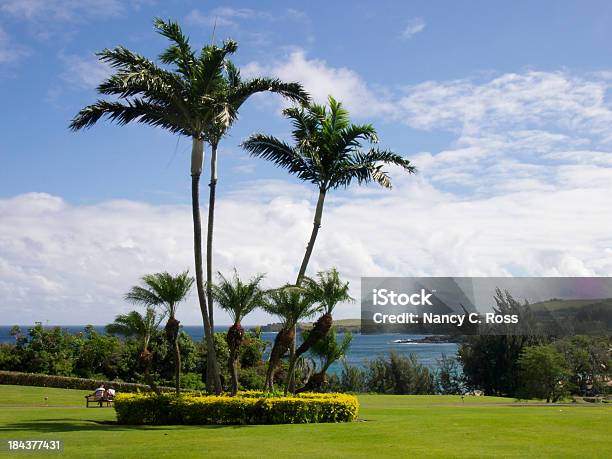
(503, 106)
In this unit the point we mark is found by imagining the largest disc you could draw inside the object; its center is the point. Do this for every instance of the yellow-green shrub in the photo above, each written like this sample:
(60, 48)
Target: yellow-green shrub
(245, 408)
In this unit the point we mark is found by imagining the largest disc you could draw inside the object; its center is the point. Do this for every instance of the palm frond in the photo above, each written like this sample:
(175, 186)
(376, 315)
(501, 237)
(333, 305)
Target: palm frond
(128, 111)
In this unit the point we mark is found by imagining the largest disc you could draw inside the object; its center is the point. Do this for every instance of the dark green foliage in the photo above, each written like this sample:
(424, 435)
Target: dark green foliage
(449, 379)
(588, 359)
(352, 379)
(245, 408)
(328, 149)
(543, 373)
(64, 382)
(490, 362)
(398, 374)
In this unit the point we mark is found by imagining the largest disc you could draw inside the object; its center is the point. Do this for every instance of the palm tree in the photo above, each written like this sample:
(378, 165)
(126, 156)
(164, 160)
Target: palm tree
(142, 328)
(235, 92)
(290, 304)
(327, 291)
(328, 350)
(181, 100)
(188, 100)
(166, 291)
(328, 152)
(238, 299)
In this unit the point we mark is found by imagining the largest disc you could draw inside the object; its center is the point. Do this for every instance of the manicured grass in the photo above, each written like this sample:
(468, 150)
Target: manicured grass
(391, 426)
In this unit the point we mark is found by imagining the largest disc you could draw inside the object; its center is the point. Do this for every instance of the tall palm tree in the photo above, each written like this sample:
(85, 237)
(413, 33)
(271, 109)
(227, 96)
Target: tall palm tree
(238, 299)
(328, 152)
(181, 96)
(142, 328)
(290, 304)
(234, 93)
(166, 291)
(328, 291)
(328, 350)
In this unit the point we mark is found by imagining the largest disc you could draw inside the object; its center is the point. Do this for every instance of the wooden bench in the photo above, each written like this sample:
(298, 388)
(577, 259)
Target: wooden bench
(91, 398)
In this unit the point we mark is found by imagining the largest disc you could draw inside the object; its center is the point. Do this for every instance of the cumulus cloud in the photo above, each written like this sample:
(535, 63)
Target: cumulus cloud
(72, 263)
(414, 26)
(322, 80)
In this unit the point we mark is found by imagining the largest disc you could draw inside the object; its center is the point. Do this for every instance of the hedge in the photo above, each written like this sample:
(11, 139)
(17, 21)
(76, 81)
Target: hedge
(65, 382)
(244, 408)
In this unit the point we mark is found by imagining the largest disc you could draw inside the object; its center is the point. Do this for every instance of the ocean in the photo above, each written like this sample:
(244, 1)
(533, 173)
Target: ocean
(362, 347)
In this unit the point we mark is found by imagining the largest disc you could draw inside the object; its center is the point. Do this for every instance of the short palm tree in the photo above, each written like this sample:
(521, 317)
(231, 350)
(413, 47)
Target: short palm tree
(290, 304)
(238, 299)
(165, 291)
(142, 328)
(327, 291)
(328, 350)
(328, 152)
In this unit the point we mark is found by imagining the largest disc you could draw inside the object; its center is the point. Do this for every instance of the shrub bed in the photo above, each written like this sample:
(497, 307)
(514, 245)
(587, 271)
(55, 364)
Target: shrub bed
(65, 382)
(245, 408)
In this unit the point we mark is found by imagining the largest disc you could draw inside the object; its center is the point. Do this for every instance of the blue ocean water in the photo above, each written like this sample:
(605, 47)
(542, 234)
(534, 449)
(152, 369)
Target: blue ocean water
(363, 346)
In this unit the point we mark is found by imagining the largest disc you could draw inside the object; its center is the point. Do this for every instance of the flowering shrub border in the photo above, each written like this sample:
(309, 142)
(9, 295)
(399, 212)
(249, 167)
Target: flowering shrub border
(249, 407)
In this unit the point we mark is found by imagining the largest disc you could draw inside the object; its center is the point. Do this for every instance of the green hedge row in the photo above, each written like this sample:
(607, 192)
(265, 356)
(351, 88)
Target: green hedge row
(168, 409)
(65, 382)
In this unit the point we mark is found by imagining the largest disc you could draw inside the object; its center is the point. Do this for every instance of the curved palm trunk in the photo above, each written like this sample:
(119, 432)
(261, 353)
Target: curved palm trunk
(282, 343)
(213, 380)
(316, 224)
(319, 330)
(209, 234)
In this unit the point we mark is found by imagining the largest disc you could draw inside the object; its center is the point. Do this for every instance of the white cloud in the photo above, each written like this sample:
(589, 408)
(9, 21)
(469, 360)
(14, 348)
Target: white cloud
(322, 80)
(72, 263)
(86, 72)
(414, 26)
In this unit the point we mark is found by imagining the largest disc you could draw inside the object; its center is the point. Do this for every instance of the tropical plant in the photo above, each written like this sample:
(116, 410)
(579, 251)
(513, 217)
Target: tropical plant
(327, 291)
(328, 152)
(328, 350)
(183, 100)
(238, 299)
(290, 304)
(142, 328)
(166, 291)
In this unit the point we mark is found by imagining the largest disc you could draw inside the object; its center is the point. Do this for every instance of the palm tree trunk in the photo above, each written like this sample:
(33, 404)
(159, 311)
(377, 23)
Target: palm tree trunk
(233, 364)
(177, 366)
(213, 380)
(209, 235)
(313, 237)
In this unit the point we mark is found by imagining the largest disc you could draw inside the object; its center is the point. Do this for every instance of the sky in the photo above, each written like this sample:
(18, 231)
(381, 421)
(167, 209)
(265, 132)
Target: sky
(504, 107)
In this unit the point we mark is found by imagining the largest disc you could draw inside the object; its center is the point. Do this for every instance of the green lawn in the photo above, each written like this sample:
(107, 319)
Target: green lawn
(393, 426)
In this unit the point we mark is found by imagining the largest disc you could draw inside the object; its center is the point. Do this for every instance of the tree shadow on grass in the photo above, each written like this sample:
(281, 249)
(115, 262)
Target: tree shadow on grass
(58, 425)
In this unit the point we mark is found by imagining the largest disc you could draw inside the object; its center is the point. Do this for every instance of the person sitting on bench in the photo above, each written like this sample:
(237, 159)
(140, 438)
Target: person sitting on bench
(101, 394)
